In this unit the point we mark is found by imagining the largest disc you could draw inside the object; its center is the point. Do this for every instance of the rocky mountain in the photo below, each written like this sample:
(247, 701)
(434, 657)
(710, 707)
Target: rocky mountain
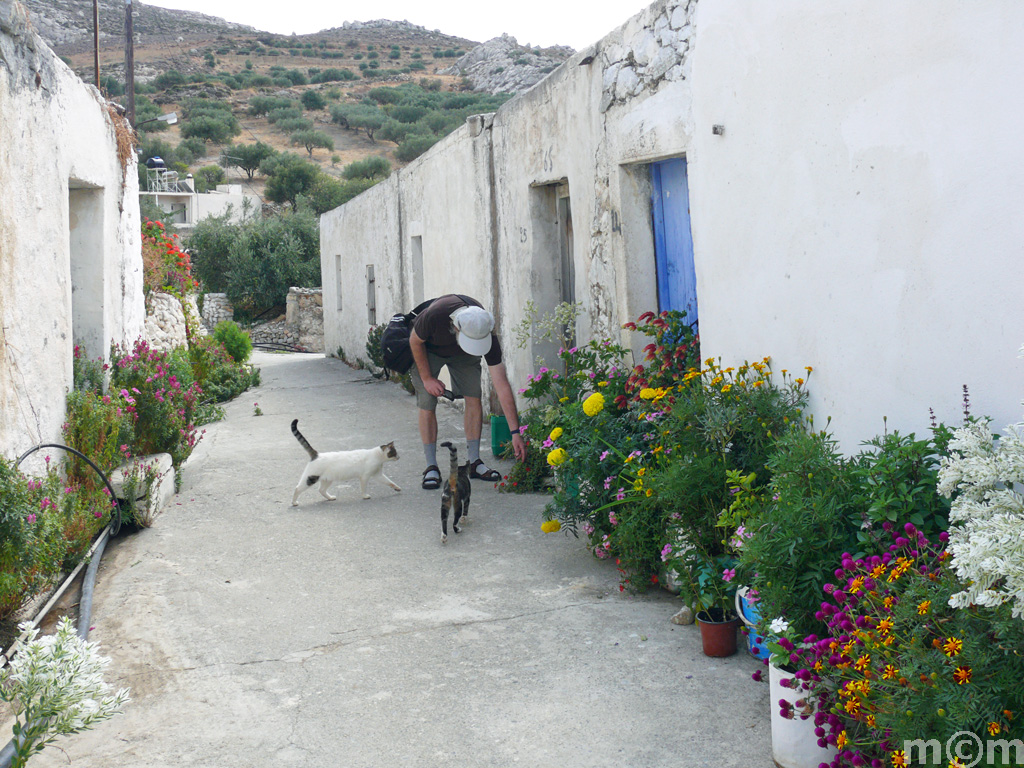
(501, 65)
(66, 25)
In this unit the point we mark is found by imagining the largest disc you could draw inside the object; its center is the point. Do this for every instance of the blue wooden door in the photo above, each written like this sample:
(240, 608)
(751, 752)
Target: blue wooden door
(673, 243)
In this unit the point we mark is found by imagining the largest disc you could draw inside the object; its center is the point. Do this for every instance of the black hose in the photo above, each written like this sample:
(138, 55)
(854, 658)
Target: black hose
(85, 604)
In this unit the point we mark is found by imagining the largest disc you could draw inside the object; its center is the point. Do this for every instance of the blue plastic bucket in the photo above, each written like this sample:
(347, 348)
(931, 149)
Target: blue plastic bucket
(750, 615)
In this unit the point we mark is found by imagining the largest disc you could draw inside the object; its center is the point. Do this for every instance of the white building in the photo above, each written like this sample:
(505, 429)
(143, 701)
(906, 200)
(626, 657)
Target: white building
(834, 185)
(186, 207)
(70, 243)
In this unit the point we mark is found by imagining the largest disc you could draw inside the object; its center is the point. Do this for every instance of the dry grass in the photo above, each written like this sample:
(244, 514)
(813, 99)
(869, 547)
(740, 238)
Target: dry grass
(125, 137)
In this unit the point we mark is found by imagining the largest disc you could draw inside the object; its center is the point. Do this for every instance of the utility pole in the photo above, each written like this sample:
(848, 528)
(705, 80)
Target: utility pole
(129, 62)
(96, 38)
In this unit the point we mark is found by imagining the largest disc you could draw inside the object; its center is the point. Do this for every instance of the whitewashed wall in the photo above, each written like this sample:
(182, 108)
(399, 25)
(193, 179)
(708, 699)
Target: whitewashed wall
(859, 214)
(70, 246)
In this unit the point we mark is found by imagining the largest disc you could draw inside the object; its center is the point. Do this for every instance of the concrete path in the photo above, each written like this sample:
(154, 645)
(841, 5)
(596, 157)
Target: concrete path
(344, 635)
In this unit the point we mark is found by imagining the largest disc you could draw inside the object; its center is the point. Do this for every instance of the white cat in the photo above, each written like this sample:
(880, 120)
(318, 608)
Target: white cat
(330, 468)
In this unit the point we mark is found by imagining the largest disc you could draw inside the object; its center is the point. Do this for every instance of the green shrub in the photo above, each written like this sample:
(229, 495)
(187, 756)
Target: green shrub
(235, 340)
(414, 146)
(368, 168)
(313, 100)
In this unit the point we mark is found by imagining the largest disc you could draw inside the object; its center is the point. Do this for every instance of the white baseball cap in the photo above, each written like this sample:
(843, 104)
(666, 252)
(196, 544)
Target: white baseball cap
(473, 327)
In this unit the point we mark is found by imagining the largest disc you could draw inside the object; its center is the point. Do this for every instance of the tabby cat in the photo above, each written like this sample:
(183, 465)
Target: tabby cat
(455, 494)
(337, 466)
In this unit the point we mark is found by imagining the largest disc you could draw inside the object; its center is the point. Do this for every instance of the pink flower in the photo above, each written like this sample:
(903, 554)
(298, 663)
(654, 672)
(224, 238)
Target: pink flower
(97, 514)
(612, 518)
(608, 482)
(729, 574)
(620, 495)
(603, 457)
(588, 528)
(666, 552)
(31, 518)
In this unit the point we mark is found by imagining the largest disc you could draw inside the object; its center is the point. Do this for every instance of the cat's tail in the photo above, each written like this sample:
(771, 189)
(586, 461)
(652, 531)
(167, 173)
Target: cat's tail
(303, 441)
(455, 455)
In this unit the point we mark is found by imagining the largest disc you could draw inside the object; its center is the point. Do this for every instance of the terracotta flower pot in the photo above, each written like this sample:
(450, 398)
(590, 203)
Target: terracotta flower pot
(717, 637)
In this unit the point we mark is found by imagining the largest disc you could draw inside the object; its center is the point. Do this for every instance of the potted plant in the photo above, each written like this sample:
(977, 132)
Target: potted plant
(707, 582)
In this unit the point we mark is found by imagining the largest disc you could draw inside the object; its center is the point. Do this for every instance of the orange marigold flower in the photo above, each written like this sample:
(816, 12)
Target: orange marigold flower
(994, 728)
(885, 626)
(923, 607)
(842, 740)
(870, 720)
(852, 706)
(952, 646)
(899, 760)
(877, 572)
(962, 675)
(890, 672)
(863, 662)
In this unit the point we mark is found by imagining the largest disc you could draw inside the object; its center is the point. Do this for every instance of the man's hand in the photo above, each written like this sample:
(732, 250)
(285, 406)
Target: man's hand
(434, 387)
(519, 446)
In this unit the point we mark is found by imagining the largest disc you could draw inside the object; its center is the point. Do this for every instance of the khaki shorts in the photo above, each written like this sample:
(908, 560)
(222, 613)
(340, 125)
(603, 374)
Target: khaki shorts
(464, 370)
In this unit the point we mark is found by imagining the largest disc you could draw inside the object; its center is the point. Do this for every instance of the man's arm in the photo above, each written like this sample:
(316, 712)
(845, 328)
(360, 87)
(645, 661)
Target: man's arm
(419, 355)
(508, 405)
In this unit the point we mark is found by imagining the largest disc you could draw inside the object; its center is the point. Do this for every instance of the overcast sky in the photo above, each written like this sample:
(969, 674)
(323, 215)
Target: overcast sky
(576, 23)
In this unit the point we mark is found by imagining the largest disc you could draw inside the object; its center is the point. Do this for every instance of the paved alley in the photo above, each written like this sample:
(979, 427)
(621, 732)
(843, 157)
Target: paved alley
(344, 635)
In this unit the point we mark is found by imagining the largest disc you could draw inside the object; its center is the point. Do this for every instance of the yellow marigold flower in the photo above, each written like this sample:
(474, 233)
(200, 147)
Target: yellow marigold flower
(863, 662)
(647, 393)
(842, 740)
(848, 648)
(956, 764)
(658, 449)
(890, 672)
(808, 368)
(818, 666)
(878, 571)
(962, 675)
(885, 626)
(952, 646)
(799, 382)
(602, 383)
(857, 584)
(563, 399)
(551, 526)
(727, 387)
(852, 706)
(994, 728)
(594, 404)
(648, 492)
(899, 759)
(870, 720)
(640, 472)
(887, 602)
(557, 456)
(555, 434)
(758, 383)
(923, 607)
(888, 640)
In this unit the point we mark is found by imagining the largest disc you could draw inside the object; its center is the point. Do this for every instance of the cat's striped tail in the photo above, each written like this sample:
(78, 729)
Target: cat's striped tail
(455, 457)
(303, 441)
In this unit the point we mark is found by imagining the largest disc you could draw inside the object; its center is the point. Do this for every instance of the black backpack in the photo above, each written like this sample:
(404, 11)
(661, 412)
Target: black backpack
(394, 342)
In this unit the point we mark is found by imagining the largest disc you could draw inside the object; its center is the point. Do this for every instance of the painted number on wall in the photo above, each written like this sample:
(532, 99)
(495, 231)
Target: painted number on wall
(549, 162)
(522, 234)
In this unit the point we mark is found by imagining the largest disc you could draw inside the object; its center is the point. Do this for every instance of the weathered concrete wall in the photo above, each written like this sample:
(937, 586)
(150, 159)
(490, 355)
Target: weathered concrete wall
(859, 213)
(70, 244)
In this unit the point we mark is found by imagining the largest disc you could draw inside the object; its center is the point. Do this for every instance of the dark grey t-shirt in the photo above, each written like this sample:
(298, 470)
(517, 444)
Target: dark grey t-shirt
(434, 326)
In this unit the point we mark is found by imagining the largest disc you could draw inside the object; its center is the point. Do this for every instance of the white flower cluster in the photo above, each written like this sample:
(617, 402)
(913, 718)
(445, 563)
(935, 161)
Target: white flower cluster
(57, 684)
(986, 535)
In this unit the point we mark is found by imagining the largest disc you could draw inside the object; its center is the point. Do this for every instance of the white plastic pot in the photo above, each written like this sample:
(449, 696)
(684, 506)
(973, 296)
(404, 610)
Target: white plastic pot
(794, 744)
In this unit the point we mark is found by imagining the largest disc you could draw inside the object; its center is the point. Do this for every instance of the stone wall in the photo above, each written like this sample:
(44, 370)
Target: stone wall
(216, 309)
(302, 326)
(165, 320)
(305, 314)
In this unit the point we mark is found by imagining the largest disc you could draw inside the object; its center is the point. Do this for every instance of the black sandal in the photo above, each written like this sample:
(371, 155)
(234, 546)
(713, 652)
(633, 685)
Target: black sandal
(491, 475)
(431, 483)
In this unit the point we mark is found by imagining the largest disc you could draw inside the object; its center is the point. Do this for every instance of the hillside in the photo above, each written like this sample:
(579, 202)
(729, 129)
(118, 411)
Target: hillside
(182, 56)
